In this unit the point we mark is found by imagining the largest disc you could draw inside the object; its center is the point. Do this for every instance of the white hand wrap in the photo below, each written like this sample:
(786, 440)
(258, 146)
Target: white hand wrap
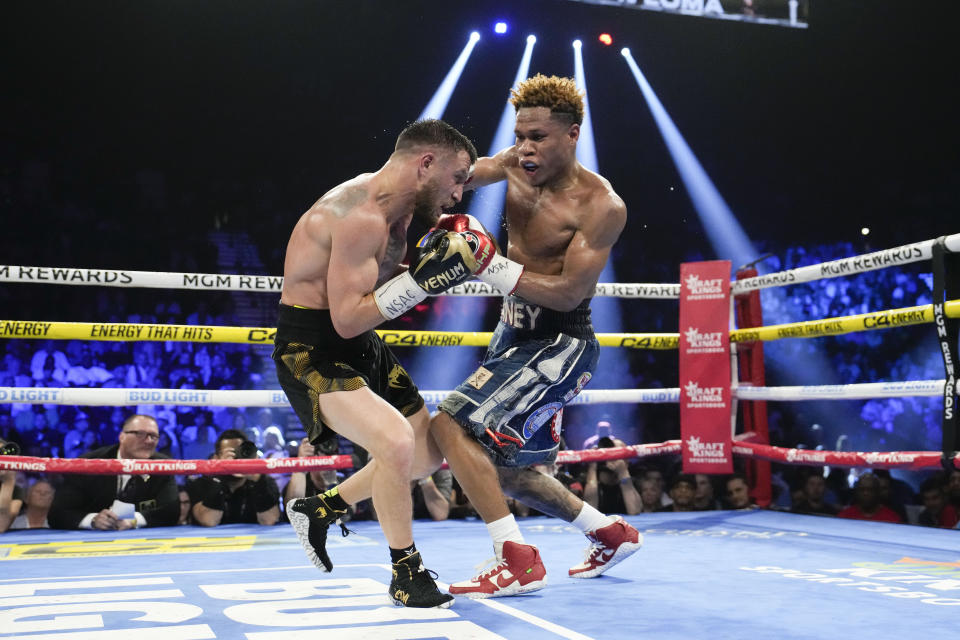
(398, 295)
(502, 273)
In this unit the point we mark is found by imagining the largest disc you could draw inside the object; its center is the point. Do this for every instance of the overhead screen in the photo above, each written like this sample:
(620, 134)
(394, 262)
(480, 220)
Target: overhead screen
(783, 13)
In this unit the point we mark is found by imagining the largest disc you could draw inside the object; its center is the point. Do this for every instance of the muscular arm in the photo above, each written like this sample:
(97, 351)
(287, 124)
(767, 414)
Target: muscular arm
(493, 169)
(437, 504)
(583, 261)
(205, 516)
(353, 272)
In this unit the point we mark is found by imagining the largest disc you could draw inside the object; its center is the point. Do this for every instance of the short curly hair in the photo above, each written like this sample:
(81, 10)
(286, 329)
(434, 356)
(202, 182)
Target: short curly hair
(560, 95)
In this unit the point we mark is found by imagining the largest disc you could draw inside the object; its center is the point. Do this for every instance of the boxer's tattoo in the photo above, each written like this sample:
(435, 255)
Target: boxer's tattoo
(396, 250)
(347, 200)
(541, 492)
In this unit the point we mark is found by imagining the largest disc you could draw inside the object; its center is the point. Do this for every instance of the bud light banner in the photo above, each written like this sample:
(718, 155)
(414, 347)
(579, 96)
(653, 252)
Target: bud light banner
(705, 366)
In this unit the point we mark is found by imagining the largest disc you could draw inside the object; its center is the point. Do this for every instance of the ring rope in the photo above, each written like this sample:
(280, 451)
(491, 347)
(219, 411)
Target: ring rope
(126, 331)
(122, 331)
(853, 265)
(886, 319)
(123, 397)
(904, 254)
(88, 466)
(877, 459)
(268, 284)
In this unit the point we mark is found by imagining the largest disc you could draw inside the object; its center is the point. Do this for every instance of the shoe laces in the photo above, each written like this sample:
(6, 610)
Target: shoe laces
(595, 549)
(494, 565)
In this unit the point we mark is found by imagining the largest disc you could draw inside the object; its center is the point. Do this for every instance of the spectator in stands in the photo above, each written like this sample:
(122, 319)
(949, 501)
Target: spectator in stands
(432, 496)
(737, 492)
(703, 499)
(185, 516)
(90, 441)
(109, 502)
(142, 373)
(48, 349)
(812, 496)
(273, 443)
(866, 502)
(895, 493)
(38, 502)
(683, 489)
(88, 373)
(73, 444)
(649, 496)
(49, 375)
(110, 430)
(198, 438)
(169, 442)
(238, 498)
(937, 512)
(656, 476)
(609, 487)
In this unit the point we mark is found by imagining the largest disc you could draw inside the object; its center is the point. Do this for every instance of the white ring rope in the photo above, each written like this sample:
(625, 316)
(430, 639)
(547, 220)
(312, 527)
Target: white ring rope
(265, 284)
(845, 266)
(638, 290)
(121, 397)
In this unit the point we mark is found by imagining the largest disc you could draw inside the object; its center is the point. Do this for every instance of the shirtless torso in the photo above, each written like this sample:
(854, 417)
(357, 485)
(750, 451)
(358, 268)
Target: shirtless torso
(562, 219)
(347, 209)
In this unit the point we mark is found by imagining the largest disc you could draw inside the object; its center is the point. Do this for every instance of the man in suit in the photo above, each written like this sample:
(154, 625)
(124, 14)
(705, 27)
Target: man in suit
(117, 503)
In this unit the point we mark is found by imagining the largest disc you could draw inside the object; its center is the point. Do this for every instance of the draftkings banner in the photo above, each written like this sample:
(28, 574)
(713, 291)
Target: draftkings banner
(705, 367)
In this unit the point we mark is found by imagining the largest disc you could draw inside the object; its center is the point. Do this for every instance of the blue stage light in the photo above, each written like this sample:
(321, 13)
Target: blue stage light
(438, 103)
(500, 27)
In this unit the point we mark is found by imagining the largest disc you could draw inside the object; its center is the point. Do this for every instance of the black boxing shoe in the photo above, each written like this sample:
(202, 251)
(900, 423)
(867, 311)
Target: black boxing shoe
(413, 585)
(310, 518)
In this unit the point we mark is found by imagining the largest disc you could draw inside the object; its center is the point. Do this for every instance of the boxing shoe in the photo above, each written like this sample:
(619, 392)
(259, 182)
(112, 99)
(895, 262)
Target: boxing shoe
(413, 585)
(520, 570)
(609, 546)
(310, 518)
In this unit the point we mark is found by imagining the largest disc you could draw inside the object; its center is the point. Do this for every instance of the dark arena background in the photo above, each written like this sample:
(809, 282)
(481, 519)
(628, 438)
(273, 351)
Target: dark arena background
(140, 140)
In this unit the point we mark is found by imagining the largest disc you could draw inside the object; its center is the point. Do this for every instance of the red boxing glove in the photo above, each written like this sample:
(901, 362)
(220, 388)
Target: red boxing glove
(484, 245)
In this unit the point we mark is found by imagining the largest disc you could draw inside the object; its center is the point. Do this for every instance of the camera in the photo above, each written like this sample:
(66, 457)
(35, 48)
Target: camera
(246, 450)
(9, 449)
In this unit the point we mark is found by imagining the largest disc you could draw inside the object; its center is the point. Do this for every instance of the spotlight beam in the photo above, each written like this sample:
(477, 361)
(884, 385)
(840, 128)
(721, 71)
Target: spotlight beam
(613, 367)
(724, 231)
(441, 97)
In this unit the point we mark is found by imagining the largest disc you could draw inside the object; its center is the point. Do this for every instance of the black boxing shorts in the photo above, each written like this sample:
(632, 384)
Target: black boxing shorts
(313, 359)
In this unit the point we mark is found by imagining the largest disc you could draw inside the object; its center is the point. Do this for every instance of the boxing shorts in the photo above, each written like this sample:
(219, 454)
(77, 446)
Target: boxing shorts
(537, 361)
(313, 359)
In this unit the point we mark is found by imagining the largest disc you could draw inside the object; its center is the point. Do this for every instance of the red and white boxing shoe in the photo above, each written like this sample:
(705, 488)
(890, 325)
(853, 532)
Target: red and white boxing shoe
(609, 546)
(520, 571)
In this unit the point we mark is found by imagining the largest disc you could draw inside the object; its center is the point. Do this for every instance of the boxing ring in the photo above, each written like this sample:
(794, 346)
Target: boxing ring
(726, 574)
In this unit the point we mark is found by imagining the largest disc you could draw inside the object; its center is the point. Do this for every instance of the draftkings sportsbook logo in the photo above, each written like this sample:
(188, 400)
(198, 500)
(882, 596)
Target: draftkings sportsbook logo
(705, 451)
(698, 289)
(703, 342)
(703, 397)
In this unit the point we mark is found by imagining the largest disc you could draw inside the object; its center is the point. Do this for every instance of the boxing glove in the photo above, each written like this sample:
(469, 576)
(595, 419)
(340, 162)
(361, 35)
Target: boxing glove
(445, 260)
(497, 270)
